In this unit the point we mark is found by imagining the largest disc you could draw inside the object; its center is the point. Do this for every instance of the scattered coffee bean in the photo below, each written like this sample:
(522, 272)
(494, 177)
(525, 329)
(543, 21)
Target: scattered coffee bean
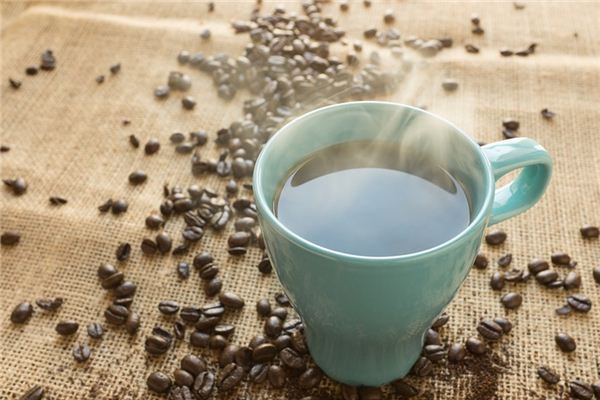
(183, 270)
(546, 277)
(230, 377)
(440, 321)
(497, 280)
(572, 280)
(213, 286)
(57, 201)
(263, 307)
(388, 16)
(157, 345)
(547, 114)
(134, 141)
(512, 300)
(580, 390)
(596, 274)
(495, 237)
(163, 242)
(203, 385)
(199, 339)
(21, 313)
(100, 79)
(193, 364)
(596, 389)
(456, 352)
(158, 382)
(589, 231)
(106, 270)
(168, 307)
(258, 373)
(264, 266)
(276, 376)
(154, 221)
(132, 324)
(10, 238)
(18, 185)
(31, 71)
(273, 327)
(125, 289)
(152, 146)
(490, 330)
(548, 375)
(565, 342)
(123, 251)
(432, 337)
(231, 300)
(476, 346)
(434, 352)
(48, 60)
(505, 324)
(119, 206)
(116, 315)
(81, 353)
(310, 378)
(190, 314)
(50, 304)
(560, 258)
(188, 102)
(36, 392)
(579, 303)
(183, 378)
(115, 68)
(564, 310)
(471, 49)
(282, 299)
(15, 83)
(95, 330)
(161, 92)
(505, 260)
(4, 148)
(137, 177)
(66, 328)
(536, 266)
(113, 281)
(423, 367)
(449, 85)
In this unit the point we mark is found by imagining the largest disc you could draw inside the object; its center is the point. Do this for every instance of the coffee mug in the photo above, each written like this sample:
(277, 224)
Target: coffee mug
(365, 317)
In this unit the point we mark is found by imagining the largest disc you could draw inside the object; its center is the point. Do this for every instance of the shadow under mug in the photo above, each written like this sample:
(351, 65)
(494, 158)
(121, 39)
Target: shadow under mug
(365, 317)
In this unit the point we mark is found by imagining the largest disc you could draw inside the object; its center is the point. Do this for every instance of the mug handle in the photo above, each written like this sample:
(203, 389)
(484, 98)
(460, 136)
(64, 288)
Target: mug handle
(523, 192)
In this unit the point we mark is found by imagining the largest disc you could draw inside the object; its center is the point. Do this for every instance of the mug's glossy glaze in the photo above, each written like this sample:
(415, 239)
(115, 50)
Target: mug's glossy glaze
(365, 317)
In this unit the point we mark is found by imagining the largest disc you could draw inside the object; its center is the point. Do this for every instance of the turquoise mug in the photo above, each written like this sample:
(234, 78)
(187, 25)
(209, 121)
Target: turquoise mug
(365, 317)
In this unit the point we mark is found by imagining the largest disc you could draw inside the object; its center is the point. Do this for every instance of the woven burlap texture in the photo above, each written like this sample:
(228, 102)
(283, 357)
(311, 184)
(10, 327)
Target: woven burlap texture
(67, 139)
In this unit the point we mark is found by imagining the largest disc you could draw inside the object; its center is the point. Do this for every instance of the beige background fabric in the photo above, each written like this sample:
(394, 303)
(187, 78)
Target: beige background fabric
(66, 139)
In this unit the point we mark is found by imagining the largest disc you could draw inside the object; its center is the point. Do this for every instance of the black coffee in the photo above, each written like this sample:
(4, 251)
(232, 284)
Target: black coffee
(369, 198)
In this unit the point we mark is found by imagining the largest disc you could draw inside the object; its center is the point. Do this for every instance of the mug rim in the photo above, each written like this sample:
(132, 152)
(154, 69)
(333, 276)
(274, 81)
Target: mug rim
(266, 212)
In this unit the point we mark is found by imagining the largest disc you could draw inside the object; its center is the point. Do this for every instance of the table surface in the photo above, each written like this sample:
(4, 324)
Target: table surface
(66, 139)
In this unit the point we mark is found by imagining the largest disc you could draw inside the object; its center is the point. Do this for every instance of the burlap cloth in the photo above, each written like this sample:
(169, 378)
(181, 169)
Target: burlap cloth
(67, 139)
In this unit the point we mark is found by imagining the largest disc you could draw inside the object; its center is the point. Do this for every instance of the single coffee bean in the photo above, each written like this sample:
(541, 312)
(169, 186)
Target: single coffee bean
(183, 270)
(280, 312)
(158, 382)
(152, 146)
(276, 376)
(564, 310)
(440, 321)
(57, 201)
(100, 79)
(580, 390)
(495, 237)
(188, 102)
(471, 49)
(273, 327)
(137, 177)
(449, 85)
(556, 284)
(596, 389)
(243, 357)
(123, 301)
(218, 342)
(511, 124)
(264, 266)
(505, 324)
(132, 325)
(258, 373)
(231, 300)
(112, 281)
(565, 342)
(239, 239)
(202, 260)
(490, 330)
(560, 258)
(579, 303)
(199, 339)
(179, 329)
(193, 364)
(50, 304)
(125, 289)
(476, 346)
(21, 313)
(227, 355)
(282, 299)
(589, 231)
(181, 393)
(572, 280)
(115, 68)
(177, 138)
(119, 206)
(123, 251)
(10, 238)
(497, 280)
(190, 315)
(290, 358)
(161, 92)
(596, 274)
(456, 352)
(537, 265)
(432, 337)
(213, 310)
(230, 377)
(104, 207)
(183, 378)
(163, 242)
(548, 375)
(157, 345)
(546, 276)
(81, 353)
(434, 352)
(95, 330)
(14, 83)
(166, 208)
(263, 307)
(224, 330)
(36, 392)
(18, 186)
(67, 328)
(423, 367)
(512, 300)
(310, 378)
(232, 188)
(116, 315)
(264, 352)
(134, 141)
(213, 286)
(203, 385)
(547, 114)
(505, 260)
(106, 270)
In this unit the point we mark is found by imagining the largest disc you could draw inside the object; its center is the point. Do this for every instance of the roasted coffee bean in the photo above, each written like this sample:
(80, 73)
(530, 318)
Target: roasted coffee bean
(157, 345)
(580, 390)
(160, 331)
(256, 341)
(243, 357)
(215, 310)
(95, 330)
(481, 261)
(280, 313)
(404, 389)
(560, 258)
(495, 237)
(449, 85)
(536, 266)
(132, 325)
(193, 364)
(258, 373)
(208, 272)
(183, 378)
(556, 284)
(21, 313)
(104, 207)
(166, 208)
(282, 299)
(589, 231)
(239, 239)
(564, 310)
(508, 134)
(119, 206)
(115, 68)
(161, 92)
(283, 341)
(184, 148)
(264, 352)
(203, 259)
(152, 146)
(276, 376)
(565, 342)
(163, 242)
(596, 274)
(434, 352)
(245, 224)
(579, 303)
(423, 367)
(547, 114)
(190, 314)
(113, 280)
(497, 280)
(432, 337)
(231, 300)
(183, 270)
(177, 138)
(310, 378)
(123, 251)
(440, 321)
(547, 276)
(31, 71)
(183, 205)
(476, 346)
(192, 233)
(512, 300)
(180, 393)
(14, 83)
(199, 339)
(213, 286)
(134, 141)
(34, 393)
(66, 328)
(116, 315)
(505, 324)
(158, 382)
(273, 327)
(264, 266)
(81, 353)
(572, 280)
(596, 389)
(137, 177)
(48, 62)
(57, 201)
(188, 102)
(203, 385)
(490, 330)
(505, 260)
(548, 375)
(456, 352)
(18, 186)
(50, 304)
(218, 342)
(263, 307)
(100, 79)
(299, 342)
(230, 377)
(506, 52)
(125, 289)
(10, 238)
(290, 358)
(123, 301)
(510, 124)
(179, 330)
(231, 188)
